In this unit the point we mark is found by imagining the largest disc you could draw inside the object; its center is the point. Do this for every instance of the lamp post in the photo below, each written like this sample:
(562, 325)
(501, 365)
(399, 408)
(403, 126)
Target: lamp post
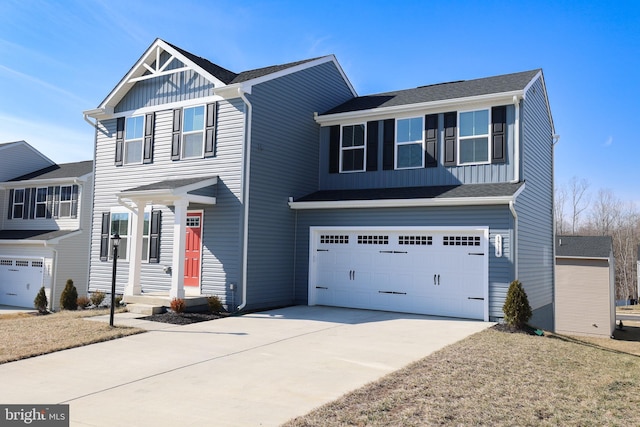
(115, 239)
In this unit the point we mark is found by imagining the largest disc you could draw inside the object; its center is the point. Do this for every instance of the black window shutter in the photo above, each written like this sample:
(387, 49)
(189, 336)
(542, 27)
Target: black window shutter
(431, 131)
(32, 203)
(210, 130)
(149, 126)
(450, 120)
(175, 139)
(154, 236)
(388, 144)
(119, 141)
(56, 201)
(334, 149)
(74, 201)
(10, 213)
(498, 134)
(372, 146)
(104, 237)
(26, 205)
(49, 202)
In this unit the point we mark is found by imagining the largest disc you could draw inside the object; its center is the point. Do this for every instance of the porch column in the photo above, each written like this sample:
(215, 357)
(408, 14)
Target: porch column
(179, 239)
(135, 249)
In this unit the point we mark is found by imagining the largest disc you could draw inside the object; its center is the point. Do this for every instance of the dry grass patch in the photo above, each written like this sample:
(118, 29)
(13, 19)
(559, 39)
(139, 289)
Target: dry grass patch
(498, 379)
(28, 335)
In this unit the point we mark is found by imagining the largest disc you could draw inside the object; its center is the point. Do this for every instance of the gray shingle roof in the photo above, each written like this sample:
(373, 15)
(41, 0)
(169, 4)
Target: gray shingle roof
(584, 246)
(439, 92)
(64, 170)
(33, 234)
(170, 184)
(429, 192)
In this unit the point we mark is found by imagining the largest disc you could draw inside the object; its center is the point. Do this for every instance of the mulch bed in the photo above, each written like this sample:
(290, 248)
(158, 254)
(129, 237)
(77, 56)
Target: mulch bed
(503, 327)
(183, 318)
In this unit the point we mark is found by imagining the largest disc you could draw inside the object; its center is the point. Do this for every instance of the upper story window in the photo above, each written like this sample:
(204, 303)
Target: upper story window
(473, 137)
(409, 143)
(134, 133)
(352, 148)
(41, 202)
(18, 203)
(65, 201)
(193, 132)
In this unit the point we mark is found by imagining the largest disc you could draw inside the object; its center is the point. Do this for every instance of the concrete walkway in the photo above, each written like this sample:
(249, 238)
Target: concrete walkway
(254, 370)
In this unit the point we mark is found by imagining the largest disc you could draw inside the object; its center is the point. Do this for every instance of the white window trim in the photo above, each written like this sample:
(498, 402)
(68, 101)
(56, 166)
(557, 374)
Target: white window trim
(35, 214)
(398, 144)
(126, 141)
(14, 204)
(459, 138)
(364, 148)
(121, 210)
(183, 133)
(61, 202)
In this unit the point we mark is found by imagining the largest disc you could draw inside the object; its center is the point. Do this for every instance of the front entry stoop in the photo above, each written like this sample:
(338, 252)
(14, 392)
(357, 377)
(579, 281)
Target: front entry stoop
(153, 303)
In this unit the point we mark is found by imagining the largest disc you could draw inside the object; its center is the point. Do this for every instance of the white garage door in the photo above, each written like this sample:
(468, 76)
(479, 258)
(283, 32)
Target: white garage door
(20, 281)
(428, 271)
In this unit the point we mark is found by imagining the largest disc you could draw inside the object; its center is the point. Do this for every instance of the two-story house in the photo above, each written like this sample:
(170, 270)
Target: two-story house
(46, 214)
(281, 186)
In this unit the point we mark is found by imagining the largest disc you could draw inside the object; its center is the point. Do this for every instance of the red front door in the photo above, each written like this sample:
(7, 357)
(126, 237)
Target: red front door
(192, 249)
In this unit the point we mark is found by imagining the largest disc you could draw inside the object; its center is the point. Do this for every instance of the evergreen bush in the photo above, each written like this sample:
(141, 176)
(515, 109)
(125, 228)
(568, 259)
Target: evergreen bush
(517, 310)
(69, 297)
(40, 302)
(215, 305)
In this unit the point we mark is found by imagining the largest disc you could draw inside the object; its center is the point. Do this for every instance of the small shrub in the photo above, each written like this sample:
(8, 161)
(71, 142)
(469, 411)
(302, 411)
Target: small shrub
(97, 298)
(83, 302)
(40, 302)
(118, 300)
(178, 305)
(69, 297)
(517, 310)
(215, 305)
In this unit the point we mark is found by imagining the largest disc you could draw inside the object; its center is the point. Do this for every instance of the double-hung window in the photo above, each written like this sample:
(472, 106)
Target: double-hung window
(41, 202)
(193, 132)
(133, 135)
(473, 137)
(409, 143)
(121, 224)
(65, 201)
(18, 203)
(352, 148)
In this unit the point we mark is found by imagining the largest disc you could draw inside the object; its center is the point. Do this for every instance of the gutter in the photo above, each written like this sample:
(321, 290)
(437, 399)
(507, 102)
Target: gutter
(245, 198)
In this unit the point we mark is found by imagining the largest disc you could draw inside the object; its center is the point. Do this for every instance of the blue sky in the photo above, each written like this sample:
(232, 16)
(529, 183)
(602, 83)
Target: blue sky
(59, 58)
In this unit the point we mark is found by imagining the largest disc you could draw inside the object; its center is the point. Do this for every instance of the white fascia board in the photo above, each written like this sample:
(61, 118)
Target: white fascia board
(582, 257)
(49, 242)
(423, 107)
(403, 203)
(204, 200)
(43, 182)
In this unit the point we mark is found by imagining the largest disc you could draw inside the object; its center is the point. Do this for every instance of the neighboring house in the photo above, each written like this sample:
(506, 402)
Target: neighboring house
(233, 184)
(43, 230)
(585, 286)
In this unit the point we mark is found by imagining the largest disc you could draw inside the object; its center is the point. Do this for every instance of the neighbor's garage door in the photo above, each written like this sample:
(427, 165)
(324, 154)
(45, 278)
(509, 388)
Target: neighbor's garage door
(424, 271)
(20, 281)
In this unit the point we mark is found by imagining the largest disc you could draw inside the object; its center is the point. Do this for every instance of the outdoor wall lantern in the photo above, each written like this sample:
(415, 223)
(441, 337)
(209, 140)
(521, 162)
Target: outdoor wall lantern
(498, 245)
(115, 239)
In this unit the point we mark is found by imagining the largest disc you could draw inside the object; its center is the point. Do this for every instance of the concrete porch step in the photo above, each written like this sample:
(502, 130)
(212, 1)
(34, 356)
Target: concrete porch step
(146, 309)
(193, 303)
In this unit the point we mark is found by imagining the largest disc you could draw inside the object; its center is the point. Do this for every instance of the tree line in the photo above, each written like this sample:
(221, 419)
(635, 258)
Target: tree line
(579, 211)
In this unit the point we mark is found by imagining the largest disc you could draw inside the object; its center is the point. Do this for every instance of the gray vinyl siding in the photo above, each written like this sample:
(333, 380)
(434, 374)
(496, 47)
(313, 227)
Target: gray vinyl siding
(17, 160)
(166, 89)
(535, 205)
(497, 218)
(440, 175)
(284, 163)
(219, 220)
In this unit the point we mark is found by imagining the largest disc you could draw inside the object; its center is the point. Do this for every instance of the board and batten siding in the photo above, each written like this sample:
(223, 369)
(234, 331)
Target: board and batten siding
(534, 206)
(284, 163)
(580, 284)
(440, 175)
(497, 218)
(220, 220)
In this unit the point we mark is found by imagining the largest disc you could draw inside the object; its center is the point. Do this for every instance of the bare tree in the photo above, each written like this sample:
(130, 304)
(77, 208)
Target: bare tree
(579, 200)
(626, 235)
(559, 206)
(605, 213)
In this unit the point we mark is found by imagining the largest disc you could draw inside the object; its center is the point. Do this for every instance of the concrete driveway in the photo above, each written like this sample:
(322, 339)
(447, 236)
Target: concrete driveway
(254, 370)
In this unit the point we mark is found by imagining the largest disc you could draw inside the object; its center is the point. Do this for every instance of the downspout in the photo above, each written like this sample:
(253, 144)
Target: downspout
(516, 140)
(514, 240)
(245, 199)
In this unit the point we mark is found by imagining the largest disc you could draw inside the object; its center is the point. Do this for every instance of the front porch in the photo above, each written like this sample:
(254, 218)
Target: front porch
(154, 303)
